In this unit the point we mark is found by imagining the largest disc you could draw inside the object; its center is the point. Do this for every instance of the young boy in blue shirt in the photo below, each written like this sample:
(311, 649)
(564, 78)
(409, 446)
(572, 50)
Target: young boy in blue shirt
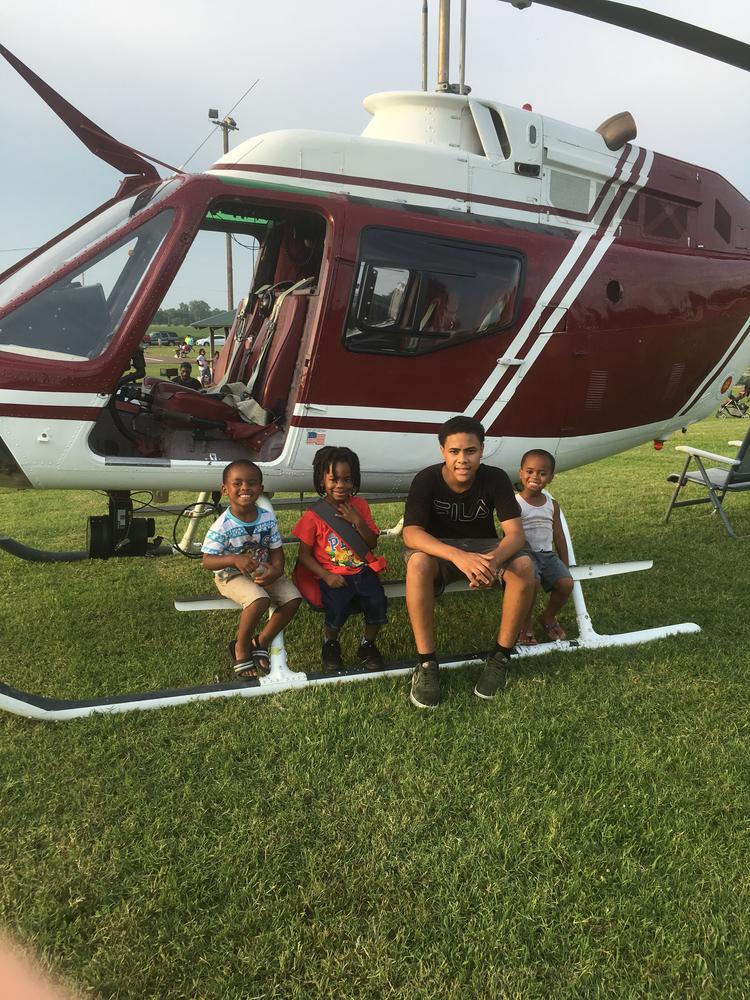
(243, 548)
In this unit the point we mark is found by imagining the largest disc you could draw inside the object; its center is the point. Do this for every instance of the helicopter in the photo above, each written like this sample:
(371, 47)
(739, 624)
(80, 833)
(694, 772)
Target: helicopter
(569, 288)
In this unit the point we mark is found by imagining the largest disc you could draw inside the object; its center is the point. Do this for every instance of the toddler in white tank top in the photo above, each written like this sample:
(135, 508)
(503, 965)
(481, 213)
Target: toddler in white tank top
(542, 525)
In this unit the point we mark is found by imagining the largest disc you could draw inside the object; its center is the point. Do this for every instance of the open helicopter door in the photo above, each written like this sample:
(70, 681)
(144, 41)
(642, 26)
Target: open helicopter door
(246, 412)
(263, 360)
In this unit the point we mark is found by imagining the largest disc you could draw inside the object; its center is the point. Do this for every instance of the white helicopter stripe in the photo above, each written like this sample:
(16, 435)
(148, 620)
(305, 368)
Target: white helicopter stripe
(570, 296)
(33, 397)
(326, 411)
(523, 334)
(718, 368)
(564, 270)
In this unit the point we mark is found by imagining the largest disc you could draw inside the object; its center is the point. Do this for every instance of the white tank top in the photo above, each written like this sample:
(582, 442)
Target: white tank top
(537, 523)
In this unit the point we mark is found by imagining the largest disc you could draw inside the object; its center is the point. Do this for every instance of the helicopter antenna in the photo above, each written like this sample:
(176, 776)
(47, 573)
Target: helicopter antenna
(659, 26)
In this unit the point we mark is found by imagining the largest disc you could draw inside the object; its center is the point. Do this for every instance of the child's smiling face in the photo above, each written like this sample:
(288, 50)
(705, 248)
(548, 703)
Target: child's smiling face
(535, 474)
(243, 487)
(338, 483)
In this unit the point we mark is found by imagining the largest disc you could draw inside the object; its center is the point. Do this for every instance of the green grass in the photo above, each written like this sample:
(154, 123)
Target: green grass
(586, 835)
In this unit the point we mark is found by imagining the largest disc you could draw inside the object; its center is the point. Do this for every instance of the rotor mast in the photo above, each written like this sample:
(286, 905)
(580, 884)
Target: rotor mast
(444, 43)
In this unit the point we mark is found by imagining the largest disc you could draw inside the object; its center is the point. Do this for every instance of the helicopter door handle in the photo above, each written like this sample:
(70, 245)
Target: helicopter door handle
(509, 362)
(527, 169)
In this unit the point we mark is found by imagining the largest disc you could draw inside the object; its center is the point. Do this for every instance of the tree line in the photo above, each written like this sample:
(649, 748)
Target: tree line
(185, 313)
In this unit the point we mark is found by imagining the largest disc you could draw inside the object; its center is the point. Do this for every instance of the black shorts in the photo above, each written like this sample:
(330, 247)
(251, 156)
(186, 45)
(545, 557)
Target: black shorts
(449, 573)
(363, 592)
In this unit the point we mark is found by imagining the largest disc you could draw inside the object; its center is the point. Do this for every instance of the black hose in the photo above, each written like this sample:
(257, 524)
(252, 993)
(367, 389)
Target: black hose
(16, 548)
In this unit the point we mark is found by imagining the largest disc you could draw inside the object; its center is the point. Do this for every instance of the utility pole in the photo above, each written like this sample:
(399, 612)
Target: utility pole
(227, 125)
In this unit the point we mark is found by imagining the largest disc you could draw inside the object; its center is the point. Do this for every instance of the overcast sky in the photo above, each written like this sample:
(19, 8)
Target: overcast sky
(148, 70)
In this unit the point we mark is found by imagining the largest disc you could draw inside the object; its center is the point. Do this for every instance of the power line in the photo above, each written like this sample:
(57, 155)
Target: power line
(236, 105)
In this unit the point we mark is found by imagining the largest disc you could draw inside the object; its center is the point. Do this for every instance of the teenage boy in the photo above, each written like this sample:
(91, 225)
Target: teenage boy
(449, 532)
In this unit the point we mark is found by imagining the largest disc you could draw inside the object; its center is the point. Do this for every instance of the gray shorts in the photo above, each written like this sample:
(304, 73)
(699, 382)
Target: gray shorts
(449, 573)
(549, 568)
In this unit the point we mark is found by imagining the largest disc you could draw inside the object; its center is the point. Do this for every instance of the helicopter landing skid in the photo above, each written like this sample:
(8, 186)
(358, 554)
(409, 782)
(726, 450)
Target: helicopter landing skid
(281, 678)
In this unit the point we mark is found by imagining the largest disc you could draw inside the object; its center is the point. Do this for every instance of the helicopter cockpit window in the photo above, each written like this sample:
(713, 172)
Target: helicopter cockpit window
(75, 318)
(83, 236)
(417, 293)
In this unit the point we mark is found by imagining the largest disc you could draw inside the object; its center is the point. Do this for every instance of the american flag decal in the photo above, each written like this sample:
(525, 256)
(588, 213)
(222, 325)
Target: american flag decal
(315, 438)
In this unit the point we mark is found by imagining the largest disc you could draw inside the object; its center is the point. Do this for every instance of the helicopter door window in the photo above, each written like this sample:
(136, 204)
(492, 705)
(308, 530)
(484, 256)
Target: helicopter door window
(75, 318)
(432, 292)
(85, 235)
(664, 220)
(383, 295)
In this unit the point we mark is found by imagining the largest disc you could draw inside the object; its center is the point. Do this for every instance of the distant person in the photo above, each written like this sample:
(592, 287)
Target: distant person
(345, 577)
(203, 367)
(244, 551)
(185, 378)
(449, 533)
(542, 525)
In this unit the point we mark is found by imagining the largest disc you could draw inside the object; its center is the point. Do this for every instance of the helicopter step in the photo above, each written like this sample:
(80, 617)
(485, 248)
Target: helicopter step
(397, 588)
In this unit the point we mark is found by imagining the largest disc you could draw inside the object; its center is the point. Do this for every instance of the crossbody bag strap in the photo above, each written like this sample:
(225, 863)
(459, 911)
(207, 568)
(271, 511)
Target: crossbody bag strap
(342, 528)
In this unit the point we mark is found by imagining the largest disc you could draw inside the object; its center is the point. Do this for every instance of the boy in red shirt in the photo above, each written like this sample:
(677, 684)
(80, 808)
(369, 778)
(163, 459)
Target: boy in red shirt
(344, 576)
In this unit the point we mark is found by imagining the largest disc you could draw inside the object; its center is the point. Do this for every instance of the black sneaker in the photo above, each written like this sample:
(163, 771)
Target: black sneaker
(425, 685)
(493, 677)
(369, 655)
(331, 655)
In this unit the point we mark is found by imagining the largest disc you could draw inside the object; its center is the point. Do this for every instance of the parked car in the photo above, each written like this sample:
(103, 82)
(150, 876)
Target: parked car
(206, 341)
(165, 338)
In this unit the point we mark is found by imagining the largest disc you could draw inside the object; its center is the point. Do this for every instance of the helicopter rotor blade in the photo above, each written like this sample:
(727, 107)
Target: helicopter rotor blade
(646, 22)
(119, 155)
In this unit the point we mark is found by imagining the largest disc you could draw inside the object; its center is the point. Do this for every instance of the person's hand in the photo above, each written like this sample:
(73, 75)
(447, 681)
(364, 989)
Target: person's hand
(245, 563)
(347, 511)
(477, 567)
(334, 580)
(261, 573)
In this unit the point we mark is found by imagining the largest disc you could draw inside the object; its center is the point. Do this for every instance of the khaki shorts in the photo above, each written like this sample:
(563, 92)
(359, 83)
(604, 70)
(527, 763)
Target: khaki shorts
(244, 591)
(448, 572)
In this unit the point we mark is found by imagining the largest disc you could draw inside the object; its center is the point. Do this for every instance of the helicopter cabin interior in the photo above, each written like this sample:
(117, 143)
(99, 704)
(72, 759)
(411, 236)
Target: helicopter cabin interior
(246, 409)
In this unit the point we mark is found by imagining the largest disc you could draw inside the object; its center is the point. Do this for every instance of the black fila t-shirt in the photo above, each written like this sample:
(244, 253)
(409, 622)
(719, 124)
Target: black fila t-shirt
(434, 506)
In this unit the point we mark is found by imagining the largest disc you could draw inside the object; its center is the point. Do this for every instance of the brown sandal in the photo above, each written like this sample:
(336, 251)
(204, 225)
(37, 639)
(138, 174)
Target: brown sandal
(526, 637)
(554, 630)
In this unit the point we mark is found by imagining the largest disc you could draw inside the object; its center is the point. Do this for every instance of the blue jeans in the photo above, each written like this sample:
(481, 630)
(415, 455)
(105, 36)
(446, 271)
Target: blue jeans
(363, 592)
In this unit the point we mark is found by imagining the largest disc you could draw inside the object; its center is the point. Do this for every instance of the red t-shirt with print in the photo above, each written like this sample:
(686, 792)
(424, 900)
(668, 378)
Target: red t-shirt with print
(328, 549)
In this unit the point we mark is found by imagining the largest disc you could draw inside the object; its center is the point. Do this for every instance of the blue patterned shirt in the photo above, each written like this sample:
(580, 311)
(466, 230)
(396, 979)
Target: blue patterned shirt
(230, 536)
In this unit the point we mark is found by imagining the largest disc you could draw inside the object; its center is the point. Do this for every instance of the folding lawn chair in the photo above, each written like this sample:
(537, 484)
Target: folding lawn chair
(716, 481)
